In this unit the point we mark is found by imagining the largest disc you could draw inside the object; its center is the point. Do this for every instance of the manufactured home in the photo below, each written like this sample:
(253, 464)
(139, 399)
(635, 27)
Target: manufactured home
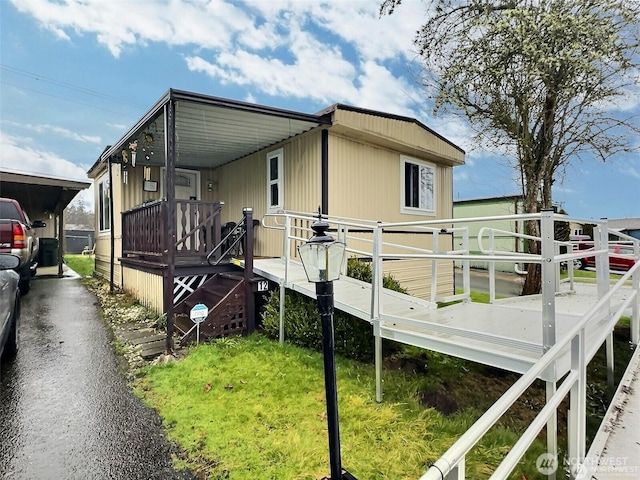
(197, 174)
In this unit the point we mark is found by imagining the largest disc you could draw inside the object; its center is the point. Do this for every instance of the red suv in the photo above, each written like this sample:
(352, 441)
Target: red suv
(615, 263)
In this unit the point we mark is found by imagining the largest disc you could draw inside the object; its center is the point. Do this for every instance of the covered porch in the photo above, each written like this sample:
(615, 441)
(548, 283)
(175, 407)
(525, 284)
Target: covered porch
(180, 218)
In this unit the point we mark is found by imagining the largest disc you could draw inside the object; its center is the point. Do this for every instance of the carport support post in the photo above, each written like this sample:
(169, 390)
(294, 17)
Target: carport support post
(60, 242)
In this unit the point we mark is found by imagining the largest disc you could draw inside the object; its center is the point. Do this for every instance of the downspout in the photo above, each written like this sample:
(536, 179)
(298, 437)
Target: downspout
(324, 174)
(170, 239)
(112, 239)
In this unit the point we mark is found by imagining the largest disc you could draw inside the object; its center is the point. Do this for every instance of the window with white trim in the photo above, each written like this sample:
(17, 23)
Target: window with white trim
(418, 187)
(104, 207)
(275, 181)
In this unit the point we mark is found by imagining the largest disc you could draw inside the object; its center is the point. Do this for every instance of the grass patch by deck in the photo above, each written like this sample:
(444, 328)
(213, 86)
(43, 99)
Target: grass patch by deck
(83, 265)
(248, 408)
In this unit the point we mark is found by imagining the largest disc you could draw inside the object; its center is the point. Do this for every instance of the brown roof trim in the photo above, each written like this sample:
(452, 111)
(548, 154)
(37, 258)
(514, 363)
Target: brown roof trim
(392, 116)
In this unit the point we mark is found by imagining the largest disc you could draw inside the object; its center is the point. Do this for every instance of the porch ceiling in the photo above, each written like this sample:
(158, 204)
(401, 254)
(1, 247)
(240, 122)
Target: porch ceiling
(212, 131)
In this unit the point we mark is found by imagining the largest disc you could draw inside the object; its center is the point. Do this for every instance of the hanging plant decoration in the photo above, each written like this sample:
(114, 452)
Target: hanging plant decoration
(133, 146)
(125, 157)
(148, 143)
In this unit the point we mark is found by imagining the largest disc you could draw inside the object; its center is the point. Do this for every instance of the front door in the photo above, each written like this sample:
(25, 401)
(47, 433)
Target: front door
(187, 185)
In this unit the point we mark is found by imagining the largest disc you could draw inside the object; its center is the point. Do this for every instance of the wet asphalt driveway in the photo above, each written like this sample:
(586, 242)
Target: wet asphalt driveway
(65, 411)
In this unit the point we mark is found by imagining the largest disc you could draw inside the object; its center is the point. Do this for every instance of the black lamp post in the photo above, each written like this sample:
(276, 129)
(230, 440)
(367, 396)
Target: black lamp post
(322, 258)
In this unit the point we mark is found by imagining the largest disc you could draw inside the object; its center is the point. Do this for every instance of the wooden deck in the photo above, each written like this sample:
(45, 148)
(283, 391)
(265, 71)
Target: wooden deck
(507, 334)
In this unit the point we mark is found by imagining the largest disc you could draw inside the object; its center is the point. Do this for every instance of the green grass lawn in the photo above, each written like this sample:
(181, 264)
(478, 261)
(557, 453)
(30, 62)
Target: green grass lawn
(83, 265)
(248, 408)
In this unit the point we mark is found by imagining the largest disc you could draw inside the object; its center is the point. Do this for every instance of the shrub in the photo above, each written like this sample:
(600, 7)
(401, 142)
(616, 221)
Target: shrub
(353, 336)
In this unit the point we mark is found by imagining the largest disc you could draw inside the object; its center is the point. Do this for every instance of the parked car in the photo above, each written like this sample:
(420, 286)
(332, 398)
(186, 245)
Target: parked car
(18, 237)
(615, 263)
(9, 305)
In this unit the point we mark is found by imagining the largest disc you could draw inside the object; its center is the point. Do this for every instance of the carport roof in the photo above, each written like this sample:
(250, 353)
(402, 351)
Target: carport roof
(210, 131)
(38, 193)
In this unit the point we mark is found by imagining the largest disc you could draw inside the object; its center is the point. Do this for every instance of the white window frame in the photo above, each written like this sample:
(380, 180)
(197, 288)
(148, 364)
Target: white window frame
(103, 200)
(279, 182)
(429, 209)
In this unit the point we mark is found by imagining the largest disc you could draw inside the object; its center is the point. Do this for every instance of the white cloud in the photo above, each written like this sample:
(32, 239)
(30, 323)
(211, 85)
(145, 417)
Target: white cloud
(19, 157)
(58, 131)
(282, 48)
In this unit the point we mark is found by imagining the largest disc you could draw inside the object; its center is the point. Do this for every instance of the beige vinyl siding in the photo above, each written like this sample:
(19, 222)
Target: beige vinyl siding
(243, 183)
(103, 239)
(415, 276)
(412, 274)
(407, 137)
(146, 287)
(365, 182)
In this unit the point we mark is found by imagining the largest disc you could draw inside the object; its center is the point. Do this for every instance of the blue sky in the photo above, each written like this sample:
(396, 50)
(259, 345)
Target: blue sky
(76, 74)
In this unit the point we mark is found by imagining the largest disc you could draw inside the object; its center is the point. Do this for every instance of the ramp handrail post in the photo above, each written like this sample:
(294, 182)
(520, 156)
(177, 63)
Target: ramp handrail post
(492, 267)
(286, 253)
(601, 242)
(547, 250)
(635, 307)
(466, 267)
(343, 231)
(376, 281)
(548, 279)
(434, 267)
(577, 426)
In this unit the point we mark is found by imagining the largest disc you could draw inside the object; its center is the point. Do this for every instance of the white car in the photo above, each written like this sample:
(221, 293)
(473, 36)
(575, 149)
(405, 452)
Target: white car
(9, 305)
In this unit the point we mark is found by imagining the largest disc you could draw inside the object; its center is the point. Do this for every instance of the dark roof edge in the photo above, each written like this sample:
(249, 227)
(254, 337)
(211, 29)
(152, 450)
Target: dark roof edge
(391, 116)
(15, 176)
(324, 119)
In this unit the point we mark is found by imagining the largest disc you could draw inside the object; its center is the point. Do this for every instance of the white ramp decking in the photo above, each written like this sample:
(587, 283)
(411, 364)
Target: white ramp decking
(615, 451)
(507, 335)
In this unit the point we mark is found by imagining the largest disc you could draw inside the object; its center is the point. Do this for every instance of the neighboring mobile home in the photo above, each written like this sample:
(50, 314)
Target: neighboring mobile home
(192, 163)
(491, 207)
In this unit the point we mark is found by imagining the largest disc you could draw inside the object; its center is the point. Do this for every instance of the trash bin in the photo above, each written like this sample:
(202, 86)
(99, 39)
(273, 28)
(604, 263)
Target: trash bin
(48, 252)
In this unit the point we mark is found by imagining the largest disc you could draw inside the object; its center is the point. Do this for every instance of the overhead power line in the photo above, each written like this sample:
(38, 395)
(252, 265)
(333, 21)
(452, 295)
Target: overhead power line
(63, 98)
(69, 86)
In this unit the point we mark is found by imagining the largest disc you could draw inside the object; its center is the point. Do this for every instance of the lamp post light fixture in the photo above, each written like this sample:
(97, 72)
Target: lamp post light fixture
(322, 258)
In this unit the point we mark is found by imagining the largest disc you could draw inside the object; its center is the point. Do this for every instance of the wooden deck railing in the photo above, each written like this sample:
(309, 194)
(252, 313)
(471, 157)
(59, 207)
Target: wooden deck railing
(144, 229)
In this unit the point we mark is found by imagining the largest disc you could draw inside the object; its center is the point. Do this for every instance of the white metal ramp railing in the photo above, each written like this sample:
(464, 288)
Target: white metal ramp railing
(366, 238)
(451, 464)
